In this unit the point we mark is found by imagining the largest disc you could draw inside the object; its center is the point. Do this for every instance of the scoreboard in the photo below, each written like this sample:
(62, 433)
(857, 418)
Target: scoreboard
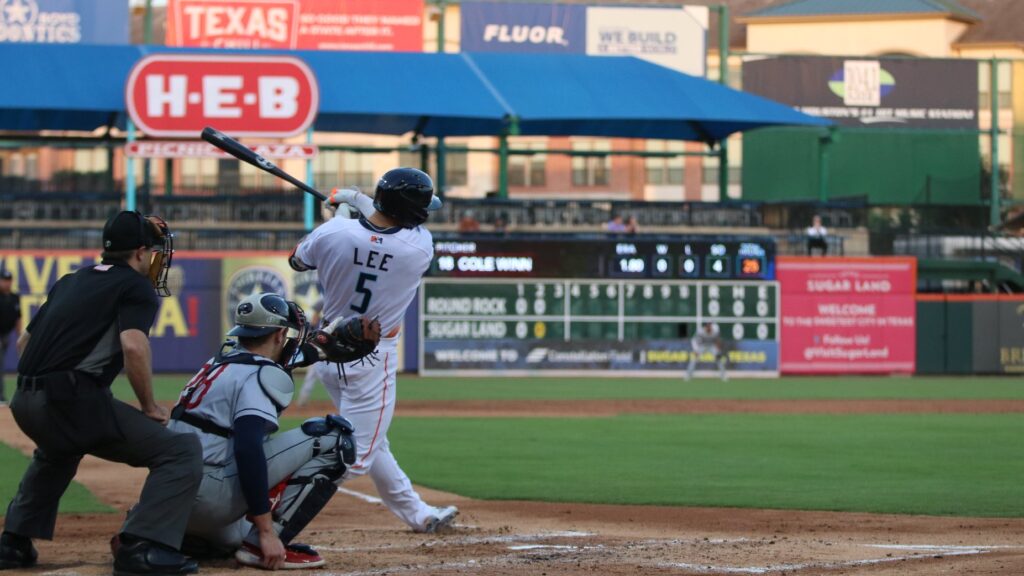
(599, 326)
(605, 256)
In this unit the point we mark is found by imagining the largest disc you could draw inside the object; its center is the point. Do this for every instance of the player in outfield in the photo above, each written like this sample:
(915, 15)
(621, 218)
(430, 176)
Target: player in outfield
(372, 265)
(258, 493)
(707, 340)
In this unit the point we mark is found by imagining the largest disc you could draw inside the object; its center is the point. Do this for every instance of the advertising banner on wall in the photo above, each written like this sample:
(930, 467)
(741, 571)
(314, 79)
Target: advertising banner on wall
(607, 358)
(186, 330)
(872, 92)
(363, 25)
(171, 95)
(1011, 336)
(185, 149)
(269, 272)
(64, 21)
(848, 315)
(675, 37)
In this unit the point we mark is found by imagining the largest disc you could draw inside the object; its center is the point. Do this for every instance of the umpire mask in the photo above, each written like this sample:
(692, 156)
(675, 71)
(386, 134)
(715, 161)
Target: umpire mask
(130, 230)
(163, 252)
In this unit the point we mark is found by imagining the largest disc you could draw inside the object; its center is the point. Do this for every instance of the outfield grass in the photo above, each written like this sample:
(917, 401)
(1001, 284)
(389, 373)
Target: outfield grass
(167, 388)
(939, 464)
(76, 500)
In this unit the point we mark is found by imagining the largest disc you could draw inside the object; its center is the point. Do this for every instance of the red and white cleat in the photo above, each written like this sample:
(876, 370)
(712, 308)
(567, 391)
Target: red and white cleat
(296, 557)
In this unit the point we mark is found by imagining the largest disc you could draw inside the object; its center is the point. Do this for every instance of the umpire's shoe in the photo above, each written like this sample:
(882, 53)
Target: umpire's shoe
(144, 558)
(16, 552)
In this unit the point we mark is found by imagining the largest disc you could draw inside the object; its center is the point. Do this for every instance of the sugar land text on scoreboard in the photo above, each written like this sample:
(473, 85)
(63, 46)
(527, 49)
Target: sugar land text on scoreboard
(598, 306)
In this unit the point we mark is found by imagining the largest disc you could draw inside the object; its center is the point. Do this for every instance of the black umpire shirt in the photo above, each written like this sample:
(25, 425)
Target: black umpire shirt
(10, 311)
(79, 327)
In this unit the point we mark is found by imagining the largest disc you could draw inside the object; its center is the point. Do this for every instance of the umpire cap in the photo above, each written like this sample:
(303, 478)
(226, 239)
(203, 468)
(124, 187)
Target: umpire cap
(128, 230)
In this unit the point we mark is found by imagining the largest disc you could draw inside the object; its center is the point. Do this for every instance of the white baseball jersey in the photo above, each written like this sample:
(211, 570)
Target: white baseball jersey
(220, 396)
(703, 340)
(369, 271)
(366, 270)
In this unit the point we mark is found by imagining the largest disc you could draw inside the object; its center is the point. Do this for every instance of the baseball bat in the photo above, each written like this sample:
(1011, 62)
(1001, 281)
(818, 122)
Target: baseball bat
(247, 155)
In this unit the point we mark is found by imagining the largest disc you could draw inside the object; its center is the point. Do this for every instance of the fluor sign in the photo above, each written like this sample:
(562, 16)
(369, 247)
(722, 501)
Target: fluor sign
(177, 95)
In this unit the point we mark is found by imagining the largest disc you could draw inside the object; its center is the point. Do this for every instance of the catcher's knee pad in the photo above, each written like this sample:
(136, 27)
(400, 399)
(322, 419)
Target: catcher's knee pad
(323, 426)
(339, 428)
(296, 513)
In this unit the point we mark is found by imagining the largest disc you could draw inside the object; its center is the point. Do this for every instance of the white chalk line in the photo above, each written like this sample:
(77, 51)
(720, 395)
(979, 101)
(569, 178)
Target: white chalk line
(464, 541)
(930, 552)
(360, 496)
(933, 547)
(807, 565)
(547, 547)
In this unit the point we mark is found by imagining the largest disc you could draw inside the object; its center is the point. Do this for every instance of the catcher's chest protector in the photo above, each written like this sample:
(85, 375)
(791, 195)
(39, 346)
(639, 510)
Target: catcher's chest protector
(226, 388)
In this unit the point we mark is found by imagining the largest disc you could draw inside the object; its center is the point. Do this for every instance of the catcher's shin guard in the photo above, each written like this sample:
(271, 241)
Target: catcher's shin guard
(298, 510)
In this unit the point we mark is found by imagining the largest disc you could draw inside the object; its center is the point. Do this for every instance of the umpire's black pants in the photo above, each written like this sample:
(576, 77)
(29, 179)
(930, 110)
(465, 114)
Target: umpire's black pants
(175, 462)
(5, 339)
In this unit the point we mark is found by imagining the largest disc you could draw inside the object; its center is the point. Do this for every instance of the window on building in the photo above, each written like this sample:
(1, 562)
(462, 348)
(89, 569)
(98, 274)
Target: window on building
(89, 160)
(592, 170)
(664, 170)
(456, 164)
(32, 166)
(528, 170)
(712, 73)
(333, 168)
(252, 177)
(735, 164)
(409, 158)
(1005, 70)
(1005, 159)
(198, 172)
(327, 169)
(357, 170)
(156, 172)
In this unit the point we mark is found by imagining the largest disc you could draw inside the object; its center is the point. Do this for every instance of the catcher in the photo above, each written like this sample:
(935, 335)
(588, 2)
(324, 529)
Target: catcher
(257, 493)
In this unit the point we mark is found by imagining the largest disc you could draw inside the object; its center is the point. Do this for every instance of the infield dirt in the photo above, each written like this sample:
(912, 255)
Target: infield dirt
(358, 536)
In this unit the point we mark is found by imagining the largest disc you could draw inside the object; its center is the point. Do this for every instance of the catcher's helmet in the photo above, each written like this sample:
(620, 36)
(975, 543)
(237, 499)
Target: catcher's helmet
(261, 314)
(406, 195)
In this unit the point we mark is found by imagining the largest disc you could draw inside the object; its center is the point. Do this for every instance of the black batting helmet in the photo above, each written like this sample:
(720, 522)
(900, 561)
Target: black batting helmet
(406, 195)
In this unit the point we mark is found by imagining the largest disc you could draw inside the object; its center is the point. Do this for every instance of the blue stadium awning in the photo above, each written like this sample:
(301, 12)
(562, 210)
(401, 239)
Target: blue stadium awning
(601, 96)
(53, 87)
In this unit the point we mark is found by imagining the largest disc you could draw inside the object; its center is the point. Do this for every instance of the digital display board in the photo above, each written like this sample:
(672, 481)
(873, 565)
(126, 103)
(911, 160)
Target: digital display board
(655, 257)
(592, 326)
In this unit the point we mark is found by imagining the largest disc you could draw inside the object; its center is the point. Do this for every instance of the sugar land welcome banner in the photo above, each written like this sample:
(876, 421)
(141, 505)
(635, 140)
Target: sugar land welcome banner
(848, 315)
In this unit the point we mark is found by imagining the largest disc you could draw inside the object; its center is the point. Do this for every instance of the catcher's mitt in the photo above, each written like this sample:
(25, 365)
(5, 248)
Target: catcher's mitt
(347, 340)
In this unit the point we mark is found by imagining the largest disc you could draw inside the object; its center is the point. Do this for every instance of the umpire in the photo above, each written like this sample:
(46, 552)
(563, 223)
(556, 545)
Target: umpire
(10, 322)
(94, 322)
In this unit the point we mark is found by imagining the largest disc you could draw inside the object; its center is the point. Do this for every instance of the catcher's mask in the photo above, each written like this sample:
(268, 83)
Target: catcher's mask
(259, 315)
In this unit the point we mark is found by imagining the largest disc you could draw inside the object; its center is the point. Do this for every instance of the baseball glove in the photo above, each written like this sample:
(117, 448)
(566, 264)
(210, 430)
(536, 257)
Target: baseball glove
(348, 340)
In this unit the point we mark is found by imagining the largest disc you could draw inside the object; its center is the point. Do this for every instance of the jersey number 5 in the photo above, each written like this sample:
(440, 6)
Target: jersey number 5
(363, 289)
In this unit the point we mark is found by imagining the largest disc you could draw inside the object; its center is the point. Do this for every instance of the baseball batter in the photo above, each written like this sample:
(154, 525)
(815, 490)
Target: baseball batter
(232, 404)
(372, 266)
(707, 340)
